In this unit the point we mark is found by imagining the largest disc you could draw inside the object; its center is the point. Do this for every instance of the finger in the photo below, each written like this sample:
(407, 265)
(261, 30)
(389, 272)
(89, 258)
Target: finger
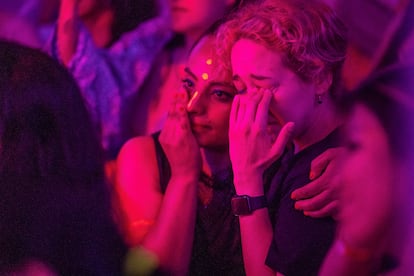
(183, 117)
(330, 210)
(242, 108)
(314, 203)
(320, 163)
(285, 135)
(251, 100)
(262, 113)
(310, 190)
(234, 110)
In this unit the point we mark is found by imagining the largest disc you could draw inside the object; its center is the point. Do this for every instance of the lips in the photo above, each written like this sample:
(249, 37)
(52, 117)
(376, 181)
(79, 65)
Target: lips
(198, 127)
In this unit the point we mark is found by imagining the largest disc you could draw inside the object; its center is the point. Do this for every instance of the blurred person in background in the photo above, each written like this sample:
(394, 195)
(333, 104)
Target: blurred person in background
(375, 235)
(55, 202)
(30, 22)
(128, 87)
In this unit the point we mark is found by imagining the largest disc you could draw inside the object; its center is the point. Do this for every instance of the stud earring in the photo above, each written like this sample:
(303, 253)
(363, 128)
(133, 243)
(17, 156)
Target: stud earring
(319, 99)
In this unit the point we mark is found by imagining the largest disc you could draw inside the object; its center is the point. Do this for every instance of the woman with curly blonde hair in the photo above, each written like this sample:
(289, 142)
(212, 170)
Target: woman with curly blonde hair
(286, 58)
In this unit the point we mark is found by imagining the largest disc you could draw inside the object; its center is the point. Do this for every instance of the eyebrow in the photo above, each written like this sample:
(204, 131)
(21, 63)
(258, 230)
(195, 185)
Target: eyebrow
(188, 71)
(211, 84)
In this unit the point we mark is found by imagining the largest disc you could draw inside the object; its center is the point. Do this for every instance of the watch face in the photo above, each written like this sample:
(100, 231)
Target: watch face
(240, 205)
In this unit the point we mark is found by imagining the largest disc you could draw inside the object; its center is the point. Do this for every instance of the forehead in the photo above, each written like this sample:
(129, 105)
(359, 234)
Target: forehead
(204, 60)
(248, 55)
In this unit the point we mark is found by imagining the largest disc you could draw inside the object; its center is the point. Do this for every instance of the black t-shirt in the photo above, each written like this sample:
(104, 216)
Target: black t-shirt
(216, 246)
(299, 242)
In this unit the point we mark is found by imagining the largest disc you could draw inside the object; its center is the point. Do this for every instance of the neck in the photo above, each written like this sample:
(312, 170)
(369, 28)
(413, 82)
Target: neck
(215, 161)
(324, 120)
(100, 27)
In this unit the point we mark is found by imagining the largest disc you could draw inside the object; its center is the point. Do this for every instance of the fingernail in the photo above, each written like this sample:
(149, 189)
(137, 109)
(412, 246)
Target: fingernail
(293, 196)
(297, 207)
(274, 89)
(311, 176)
(306, 213)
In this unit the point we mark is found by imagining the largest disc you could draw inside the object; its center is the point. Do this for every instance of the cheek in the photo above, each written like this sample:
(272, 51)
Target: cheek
(291, 106)
(220, 118)
(280, 108)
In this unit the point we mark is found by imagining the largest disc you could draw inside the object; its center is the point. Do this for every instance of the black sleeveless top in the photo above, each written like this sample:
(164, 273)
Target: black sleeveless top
(216, 246)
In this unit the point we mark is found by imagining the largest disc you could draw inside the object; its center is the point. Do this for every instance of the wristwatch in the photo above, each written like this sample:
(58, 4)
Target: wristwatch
(243, 205)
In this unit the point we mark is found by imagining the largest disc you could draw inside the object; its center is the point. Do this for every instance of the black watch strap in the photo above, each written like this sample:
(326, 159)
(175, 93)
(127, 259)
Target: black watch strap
(243, 205)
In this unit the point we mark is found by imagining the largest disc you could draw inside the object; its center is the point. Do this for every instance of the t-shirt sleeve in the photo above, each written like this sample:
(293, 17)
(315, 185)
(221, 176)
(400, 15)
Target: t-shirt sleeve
(299, 242)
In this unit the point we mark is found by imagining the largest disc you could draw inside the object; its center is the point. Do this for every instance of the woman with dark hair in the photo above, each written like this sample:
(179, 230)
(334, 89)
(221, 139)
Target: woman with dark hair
(376, 220)
(55, 203)
(129, 85)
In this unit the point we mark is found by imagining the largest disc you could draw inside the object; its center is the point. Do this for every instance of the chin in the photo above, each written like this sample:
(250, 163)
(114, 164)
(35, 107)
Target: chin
(212, 144)
(179, 27)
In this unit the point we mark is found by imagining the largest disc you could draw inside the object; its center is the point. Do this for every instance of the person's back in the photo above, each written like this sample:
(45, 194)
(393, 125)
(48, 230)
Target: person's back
(55, 204)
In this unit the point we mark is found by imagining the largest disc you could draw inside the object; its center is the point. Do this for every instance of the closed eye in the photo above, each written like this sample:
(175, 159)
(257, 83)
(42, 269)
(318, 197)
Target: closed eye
(222, 95)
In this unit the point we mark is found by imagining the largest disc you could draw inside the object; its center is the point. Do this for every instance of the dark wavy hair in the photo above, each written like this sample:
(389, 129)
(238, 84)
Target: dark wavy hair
(54, 201)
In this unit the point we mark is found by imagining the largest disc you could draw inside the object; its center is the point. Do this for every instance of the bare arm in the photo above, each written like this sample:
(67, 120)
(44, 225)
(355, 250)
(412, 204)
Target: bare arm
(163, 223)
(250, 155)
(67, 30)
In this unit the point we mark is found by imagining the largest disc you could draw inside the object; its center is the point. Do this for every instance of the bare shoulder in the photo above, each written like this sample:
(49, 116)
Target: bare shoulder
(138, 186)
(137, 163)
(137, 147)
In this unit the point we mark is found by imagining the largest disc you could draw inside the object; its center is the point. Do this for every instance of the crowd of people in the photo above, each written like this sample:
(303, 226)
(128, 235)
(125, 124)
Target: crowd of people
(180, 137)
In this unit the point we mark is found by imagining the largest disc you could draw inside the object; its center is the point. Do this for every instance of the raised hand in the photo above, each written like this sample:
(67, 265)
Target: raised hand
(320, 198)
(67, 29)
(252, 147)
(178, 142)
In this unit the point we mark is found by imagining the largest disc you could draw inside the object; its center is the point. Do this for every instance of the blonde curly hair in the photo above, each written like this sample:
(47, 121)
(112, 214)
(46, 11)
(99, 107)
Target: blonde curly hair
(308, 34)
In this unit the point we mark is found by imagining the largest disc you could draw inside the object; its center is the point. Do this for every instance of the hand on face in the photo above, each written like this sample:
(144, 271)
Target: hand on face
(178, 142)
(320, 197)
(252, 148)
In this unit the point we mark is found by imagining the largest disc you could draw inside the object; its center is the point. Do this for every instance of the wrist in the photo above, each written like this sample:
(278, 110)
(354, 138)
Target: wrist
(244, 205)
(251, 185)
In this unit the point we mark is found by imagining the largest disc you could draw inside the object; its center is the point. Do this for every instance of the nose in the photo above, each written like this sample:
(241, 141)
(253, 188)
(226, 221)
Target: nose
(250, 90)
(195, 105)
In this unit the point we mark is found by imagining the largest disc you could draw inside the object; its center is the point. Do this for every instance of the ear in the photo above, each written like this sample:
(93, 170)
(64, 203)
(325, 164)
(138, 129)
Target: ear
(324, 83)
